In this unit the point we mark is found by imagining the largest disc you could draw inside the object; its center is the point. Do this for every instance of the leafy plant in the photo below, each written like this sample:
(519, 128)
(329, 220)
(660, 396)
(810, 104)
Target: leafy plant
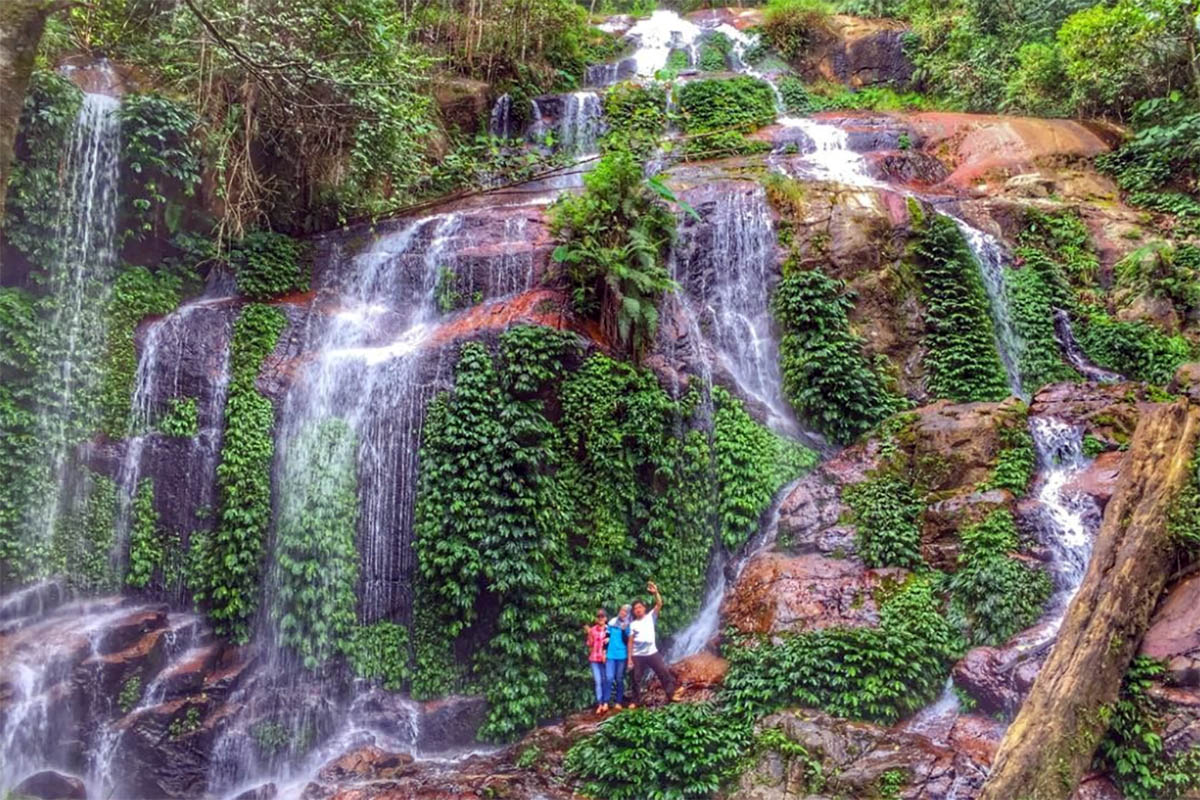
(685, 750)
(900, 666)
(131, 693)
(714, 52)
(718, 104)
(182, 419)
(826, 376)
(637, 116)
(993, 594)
(380, 652)
(316, 560)
(613, 243)
(1132, 750)
(160, 156)
(228, 567)
(268, 264)
(960, 349)
(1015, 463)
(1137, 350)
(793, 26)
(887, 521)
(146, 553)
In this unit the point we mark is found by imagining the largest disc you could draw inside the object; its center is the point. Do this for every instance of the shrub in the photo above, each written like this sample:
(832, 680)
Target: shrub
(684, 750)
(1137, 350)
(636, 116)
(1163, 270)
(742, 103)
(714, 52)
(613, 246)
(1015, 463)
(792, 26)
(1032, 304)
(1036, 85)
(380, 652)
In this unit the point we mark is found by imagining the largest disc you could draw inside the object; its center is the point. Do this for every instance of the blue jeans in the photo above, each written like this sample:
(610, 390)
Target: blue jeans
(600, 679)
(614, 673)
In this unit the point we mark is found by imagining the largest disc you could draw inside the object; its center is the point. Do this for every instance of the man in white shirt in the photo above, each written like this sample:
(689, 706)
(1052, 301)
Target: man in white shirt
(643, 648)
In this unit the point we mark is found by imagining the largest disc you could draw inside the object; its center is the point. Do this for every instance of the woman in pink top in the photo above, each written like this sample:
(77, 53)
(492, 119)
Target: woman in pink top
(597, 640)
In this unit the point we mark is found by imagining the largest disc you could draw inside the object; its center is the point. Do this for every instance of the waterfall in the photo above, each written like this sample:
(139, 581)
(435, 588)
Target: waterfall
(500, 122)
(659, 34)
(1074, 354)
(582, 124)
(726, 268)
(80, 284)
(991, 259)
(160, 379)
(1069, 519)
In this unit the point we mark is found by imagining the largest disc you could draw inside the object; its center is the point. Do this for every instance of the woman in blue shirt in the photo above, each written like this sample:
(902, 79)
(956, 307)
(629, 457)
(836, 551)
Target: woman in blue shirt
(617, 654)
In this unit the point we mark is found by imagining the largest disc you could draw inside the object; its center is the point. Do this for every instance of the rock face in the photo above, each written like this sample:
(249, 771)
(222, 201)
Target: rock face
(853, 758)
(50, 785)
(1174, 633)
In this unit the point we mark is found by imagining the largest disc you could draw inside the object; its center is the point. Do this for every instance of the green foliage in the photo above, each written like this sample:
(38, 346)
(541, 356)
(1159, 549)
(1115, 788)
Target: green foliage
(826, 376)
(613, 239)
(161, 157)
(380, 652)
(1059, 247)
(138, 293)
(793, 26)
(791, 751)
(182, 419)
(268, 264)
(227, 570)
(316, 560)
(131, 693)
(714, 52)
(271, 737)
(1093, 446)
(800, 98)
(146, 551)
(1137, 350)
(1162, 270)
(1035, 86)
(84, 537)
(1163, 152)
(960, 349)
(636, 115)
(880, 674)
(751, 463)
(887, 515)
(1015, 463)
(685, 750)
(34, 195)
(993, 594)
(742, 103)
(1032, 304)
(546, 483)
(188, 722)
(1132, 750)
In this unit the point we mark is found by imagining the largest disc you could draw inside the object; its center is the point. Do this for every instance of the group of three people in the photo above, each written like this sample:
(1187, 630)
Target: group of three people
(627, 640)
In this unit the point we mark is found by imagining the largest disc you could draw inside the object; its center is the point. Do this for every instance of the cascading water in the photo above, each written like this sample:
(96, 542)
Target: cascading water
(726, 267)
(656, 36)
(80, 284)
(989, 255)
(1069, 519)
(582, 124)
(500, 122)
(1074, 354)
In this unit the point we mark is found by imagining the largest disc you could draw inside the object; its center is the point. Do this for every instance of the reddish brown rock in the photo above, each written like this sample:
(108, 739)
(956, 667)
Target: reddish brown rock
(777, 594)
(943, 519)
(1108, 411)
(700, 675)
(366, 764)
(977, 737)
(1174, 632)
(1100, 479)
(1097, 787)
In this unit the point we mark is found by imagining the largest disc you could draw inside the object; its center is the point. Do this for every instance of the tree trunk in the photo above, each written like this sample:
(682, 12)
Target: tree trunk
(1050, 744)
(21, 26)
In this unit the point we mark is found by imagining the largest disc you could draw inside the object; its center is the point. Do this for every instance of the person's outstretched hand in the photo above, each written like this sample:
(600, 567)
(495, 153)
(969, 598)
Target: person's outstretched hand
(651, 588)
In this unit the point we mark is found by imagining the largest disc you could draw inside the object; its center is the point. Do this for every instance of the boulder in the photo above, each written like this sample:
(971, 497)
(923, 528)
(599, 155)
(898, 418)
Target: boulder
(366, 764)
(858, 52)
(462, 102)
(1187, 381)
(985, 673)
(778, 594)
(1174, 632)
(957, 444)
(51, 785)
(268, 791)
(853, 757)
(451, 722)
(1109, 411)
(1100, 478)
(943, 519)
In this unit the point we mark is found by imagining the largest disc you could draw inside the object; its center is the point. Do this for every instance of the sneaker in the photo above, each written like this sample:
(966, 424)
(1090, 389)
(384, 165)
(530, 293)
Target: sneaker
(675, 695)
(618, 707)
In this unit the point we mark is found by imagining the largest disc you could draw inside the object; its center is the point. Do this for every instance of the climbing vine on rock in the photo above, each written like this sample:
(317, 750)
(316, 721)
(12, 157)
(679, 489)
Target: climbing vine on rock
(316, 561)
(960, 350)
(550, 481)
(228, 568)
(826, 376)
(146, 551)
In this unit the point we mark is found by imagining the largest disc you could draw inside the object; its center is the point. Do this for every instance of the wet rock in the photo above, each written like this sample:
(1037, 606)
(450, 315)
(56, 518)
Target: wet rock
(910, 167)
(1030, 184)
(777, 594)
(958, 443)
(1096, 787)
(858, 52)
(462, 102)
(986, 674)
(700, 675)
(1100, 478)
(366, 764)
(1174, 632)
(452, 722)
(1108, 411)
(977, 737)
(51, 785)
(943, 519)
(267, 791)
(853, 757)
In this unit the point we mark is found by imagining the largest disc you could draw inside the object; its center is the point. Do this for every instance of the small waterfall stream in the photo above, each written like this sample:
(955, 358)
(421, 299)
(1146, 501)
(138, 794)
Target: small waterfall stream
(582, 124)
(80, 283)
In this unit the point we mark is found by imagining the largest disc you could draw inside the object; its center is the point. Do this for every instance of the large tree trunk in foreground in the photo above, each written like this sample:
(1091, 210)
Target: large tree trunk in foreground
(1050, 744)
(21, 26)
